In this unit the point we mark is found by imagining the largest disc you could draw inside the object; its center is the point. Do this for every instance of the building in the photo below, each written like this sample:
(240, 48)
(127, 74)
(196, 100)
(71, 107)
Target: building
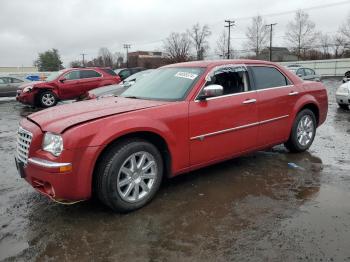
(146, 59)
(18, 69)
(279, 54)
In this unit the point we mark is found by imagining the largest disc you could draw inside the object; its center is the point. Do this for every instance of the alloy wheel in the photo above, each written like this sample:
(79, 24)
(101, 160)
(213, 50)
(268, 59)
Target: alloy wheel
(137, 176)
(305, 130)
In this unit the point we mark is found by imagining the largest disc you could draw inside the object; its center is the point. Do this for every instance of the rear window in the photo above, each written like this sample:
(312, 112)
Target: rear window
(268, 77)
(109, 71)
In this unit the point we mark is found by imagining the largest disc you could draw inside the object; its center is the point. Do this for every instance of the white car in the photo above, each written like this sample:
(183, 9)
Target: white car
(342, 95)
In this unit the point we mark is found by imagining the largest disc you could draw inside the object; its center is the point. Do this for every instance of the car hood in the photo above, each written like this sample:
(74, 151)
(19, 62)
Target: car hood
(30, 83)
(61, 117)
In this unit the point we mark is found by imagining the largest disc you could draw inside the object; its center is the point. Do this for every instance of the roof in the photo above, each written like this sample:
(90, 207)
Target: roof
(213, 63)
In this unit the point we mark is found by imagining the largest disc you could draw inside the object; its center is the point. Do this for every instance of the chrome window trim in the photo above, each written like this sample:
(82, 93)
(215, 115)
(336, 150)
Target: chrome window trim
(201, 137)
(46, 163)
(101, 75)
(196, 100)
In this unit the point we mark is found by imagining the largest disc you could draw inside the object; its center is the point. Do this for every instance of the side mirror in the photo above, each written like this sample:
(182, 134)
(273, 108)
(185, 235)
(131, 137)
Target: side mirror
(62, 80)
(300, 75)
(211, 91)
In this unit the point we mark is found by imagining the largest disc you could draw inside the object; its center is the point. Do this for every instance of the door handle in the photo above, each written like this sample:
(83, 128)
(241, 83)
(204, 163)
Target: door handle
(293, 93)
(249, 101)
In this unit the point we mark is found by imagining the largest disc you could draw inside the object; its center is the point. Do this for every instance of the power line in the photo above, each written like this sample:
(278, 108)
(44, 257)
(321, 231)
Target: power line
(230, 23)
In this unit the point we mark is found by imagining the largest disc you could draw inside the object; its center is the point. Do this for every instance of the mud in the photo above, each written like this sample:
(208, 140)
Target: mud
(258, 207)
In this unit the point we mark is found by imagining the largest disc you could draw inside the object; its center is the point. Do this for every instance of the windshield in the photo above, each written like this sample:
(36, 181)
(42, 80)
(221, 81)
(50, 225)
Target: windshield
(171, 84)
(53, 75)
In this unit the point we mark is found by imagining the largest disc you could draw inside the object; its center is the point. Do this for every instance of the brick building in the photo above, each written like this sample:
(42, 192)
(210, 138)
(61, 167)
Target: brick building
(146, 59)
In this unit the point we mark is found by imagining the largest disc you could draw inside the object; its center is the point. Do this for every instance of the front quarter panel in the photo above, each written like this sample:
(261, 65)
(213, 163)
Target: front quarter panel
(168, 121)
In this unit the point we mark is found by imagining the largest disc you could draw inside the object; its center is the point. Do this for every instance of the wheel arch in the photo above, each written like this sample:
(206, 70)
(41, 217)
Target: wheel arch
(157, 140)
(44, 89)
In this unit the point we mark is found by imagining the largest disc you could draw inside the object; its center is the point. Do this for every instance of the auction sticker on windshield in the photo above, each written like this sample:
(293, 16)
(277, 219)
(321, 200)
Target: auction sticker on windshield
(186, 75)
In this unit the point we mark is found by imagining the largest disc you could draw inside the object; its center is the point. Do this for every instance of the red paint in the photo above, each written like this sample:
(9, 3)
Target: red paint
(88, 127)
(68, 89)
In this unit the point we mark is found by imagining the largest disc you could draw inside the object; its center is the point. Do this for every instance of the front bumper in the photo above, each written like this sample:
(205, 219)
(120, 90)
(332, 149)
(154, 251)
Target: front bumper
(26, 98)
(343, 99)
(65, 178)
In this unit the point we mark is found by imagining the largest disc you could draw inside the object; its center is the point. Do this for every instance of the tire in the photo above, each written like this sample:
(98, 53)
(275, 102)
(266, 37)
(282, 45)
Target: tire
(120, 185)
(347, 74)
(303, 132)
(47, 99)
(344, 106)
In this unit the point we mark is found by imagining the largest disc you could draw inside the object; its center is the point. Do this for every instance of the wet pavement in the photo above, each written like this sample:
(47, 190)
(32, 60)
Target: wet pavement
(258, 207)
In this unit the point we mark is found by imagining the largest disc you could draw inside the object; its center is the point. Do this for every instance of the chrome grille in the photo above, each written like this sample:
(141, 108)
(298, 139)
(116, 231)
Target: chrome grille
(24, 138)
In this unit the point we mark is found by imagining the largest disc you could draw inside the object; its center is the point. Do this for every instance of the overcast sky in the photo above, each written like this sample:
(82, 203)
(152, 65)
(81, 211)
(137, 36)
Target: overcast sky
(83, 26)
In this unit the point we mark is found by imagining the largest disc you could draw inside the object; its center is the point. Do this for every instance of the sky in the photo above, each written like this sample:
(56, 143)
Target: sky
(28, 27)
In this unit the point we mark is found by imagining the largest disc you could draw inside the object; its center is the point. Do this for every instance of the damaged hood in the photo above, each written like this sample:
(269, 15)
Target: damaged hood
(61, 117)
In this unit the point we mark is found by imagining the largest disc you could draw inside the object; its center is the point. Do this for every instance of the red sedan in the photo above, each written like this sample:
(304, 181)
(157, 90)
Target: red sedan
(179, 118)
(66, 84)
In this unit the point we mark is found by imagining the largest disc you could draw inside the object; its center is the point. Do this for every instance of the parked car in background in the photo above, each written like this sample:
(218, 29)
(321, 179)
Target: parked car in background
(126, 72)
(115, 90)
(10, 85)
(65, 85)
(305, 73)
(342, 95)
(186, 116)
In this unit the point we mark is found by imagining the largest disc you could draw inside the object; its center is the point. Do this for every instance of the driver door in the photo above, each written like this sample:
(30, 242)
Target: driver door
(226, 125)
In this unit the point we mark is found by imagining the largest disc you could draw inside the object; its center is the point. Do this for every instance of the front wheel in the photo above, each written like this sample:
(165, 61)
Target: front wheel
(129, 175)
(343, 106)
(47, 99)
(303, 131)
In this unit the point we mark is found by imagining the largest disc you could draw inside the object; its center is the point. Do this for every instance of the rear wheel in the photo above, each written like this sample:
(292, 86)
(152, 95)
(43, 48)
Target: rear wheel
(129, 175)
(303, 131)
(47, 99)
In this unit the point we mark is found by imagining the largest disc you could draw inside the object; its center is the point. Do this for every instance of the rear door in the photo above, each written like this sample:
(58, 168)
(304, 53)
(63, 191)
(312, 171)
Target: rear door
(225, 125)
(309, 74)
(89, 79)
(4, 86)
(276, 98)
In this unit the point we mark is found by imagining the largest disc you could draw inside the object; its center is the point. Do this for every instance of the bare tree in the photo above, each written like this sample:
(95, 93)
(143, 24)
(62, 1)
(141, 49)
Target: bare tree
(300, 32)
(344, 30)
(177, 46)
(118, 59)
(221, 45)
(257, 34)
(106, 56)
(75, 64)
(339, 45)
(325, 42)
(199, 35)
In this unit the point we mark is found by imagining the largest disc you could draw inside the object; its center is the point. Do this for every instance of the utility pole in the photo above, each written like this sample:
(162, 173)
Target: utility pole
(127, 46)
(83, 55)
(229, 24)
(271, 28)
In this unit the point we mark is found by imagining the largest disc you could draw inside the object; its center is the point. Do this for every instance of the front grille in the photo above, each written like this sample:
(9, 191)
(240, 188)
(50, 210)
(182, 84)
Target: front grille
(24, 138)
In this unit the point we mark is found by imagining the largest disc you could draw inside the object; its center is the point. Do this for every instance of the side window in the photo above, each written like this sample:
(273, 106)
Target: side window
(89, 74)
(16, 80)
(309, 71)
(268, 77)
(2, 80)
(232, 79)
(73, 75)
(125, 73)
(300, 72)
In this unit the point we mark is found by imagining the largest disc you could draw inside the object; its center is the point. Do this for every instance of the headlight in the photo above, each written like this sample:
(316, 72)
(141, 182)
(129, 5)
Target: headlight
(53, 143)
(27, 89)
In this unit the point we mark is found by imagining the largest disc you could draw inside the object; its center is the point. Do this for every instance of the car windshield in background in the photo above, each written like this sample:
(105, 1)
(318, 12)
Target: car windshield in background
(171, 84)
(53, 75)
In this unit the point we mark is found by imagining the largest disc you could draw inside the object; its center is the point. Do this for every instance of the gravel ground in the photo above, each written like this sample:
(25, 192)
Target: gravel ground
(253, 208)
